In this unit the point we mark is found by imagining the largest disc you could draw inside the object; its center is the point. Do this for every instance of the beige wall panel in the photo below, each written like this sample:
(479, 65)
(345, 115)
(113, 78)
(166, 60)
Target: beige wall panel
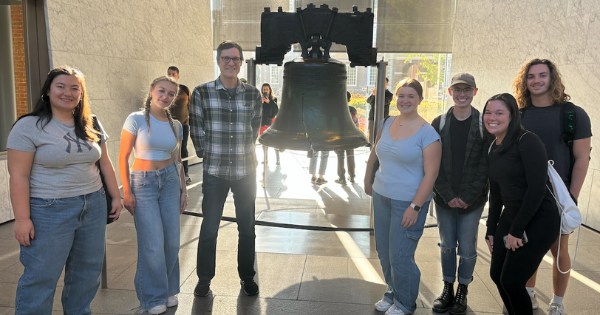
(493, 39)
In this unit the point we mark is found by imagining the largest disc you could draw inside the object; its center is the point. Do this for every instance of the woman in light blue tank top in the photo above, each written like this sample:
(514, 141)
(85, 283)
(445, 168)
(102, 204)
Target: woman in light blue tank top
(155, 194)
(409, 153)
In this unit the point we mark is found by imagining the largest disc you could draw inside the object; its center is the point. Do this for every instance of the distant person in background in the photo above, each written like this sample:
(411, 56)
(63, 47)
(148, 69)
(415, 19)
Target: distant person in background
(180, 110)
(269, 111)
(312, 167)
(349, 153)
(389, 96)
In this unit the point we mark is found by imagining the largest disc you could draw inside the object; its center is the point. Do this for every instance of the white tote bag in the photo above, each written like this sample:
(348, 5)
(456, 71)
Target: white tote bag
(570, 217)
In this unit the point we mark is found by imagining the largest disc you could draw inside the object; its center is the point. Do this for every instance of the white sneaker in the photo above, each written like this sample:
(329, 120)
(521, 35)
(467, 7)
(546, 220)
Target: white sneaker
(382, 305)
(172, 301)
(534, 302)
(556, 309)
(394, 310)
(158, 309)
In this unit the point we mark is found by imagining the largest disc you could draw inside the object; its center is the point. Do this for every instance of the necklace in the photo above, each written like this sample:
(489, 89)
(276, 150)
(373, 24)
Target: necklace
(406, 122)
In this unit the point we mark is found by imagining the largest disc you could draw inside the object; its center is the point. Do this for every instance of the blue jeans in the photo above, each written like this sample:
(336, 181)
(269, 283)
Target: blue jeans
(157, 197)
(69, 233)
(312, 167)
(396, 248)
(458, 229)
(215, 192)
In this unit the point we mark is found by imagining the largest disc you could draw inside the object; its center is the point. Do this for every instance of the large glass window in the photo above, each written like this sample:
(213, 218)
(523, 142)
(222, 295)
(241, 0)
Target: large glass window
(274, 74)
(351, 73)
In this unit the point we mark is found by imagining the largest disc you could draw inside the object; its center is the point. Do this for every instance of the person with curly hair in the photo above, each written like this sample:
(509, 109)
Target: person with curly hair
(545, 106)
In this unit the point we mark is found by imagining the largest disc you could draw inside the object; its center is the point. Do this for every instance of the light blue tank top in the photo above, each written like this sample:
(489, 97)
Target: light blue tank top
(401, 167)
(156, 146)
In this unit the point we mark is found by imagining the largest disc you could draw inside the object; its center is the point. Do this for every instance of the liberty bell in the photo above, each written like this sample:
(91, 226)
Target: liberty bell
(314, 111)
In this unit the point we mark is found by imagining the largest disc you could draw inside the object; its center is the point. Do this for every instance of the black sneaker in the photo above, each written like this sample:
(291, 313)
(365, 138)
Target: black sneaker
(202, 288)
(250, 287)
(341, 181)
(313, 180)
(321, 181)
(351, 179)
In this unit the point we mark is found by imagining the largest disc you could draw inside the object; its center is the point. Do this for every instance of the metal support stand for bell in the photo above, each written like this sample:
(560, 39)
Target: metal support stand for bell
(378, 116)
(252, 81)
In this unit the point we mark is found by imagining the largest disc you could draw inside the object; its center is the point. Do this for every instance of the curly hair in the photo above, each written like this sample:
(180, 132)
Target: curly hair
(556, 90)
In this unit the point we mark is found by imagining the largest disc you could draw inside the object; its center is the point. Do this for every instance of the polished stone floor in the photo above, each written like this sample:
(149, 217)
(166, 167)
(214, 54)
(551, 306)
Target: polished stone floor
(301, 271)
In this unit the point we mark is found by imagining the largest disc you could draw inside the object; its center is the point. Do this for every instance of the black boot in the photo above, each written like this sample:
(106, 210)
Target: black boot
(459, 307)
(443, 303)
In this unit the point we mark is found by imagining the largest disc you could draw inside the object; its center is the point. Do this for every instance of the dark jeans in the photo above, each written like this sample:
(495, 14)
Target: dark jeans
(215, 192)
(340, 156)
(184, 150)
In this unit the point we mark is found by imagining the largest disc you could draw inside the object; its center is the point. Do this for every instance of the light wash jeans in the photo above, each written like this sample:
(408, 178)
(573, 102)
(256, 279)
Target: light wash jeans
(396, 248)
(69, 233)
(312, 167)
(458, 229)
(157, 197)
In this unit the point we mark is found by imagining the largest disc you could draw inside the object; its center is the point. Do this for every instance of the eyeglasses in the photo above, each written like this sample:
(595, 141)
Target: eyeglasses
(467, 91)
(236, 60)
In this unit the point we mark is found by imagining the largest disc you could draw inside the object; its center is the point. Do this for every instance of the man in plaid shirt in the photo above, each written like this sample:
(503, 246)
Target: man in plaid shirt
(224, 123)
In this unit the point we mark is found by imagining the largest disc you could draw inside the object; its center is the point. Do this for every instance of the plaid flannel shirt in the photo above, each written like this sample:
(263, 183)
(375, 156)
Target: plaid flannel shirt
(224, 128)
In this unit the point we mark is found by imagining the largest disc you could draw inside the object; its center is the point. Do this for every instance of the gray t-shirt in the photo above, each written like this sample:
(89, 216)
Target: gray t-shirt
(63, 165)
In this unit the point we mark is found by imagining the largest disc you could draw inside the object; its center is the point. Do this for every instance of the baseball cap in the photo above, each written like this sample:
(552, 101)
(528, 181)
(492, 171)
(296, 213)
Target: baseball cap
(463, 78)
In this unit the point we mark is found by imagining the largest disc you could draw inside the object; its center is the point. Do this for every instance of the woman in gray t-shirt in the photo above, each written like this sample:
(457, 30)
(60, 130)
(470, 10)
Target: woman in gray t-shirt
(57, 196)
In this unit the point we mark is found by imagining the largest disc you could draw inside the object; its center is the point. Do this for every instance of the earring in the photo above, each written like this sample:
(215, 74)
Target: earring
(43, 100)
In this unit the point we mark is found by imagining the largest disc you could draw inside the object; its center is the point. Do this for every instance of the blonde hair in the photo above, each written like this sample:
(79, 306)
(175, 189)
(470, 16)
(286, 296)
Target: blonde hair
(149, 101)
(556, 89)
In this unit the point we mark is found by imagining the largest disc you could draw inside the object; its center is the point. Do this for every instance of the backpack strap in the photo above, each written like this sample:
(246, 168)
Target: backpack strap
(442, 121)
(568, 121)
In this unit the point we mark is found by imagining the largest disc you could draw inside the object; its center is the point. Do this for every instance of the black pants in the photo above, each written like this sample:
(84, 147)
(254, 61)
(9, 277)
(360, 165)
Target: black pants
(511, 270)
(184, 150)
(215, 192)
(340, 157)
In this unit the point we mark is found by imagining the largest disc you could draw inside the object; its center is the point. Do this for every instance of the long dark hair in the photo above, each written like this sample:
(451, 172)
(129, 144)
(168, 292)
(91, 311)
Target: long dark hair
(271, 98)
(515, 129)
(82, 114)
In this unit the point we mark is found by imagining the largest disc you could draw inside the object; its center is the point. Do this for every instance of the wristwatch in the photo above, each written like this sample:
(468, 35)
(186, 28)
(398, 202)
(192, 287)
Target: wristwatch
(414, 206)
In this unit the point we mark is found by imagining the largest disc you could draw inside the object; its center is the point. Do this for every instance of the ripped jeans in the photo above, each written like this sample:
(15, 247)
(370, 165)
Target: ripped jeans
(396, 248)
(458, 230)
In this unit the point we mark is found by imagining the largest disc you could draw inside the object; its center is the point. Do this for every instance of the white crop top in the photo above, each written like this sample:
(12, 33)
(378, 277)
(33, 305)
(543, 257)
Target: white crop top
(156, 145)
